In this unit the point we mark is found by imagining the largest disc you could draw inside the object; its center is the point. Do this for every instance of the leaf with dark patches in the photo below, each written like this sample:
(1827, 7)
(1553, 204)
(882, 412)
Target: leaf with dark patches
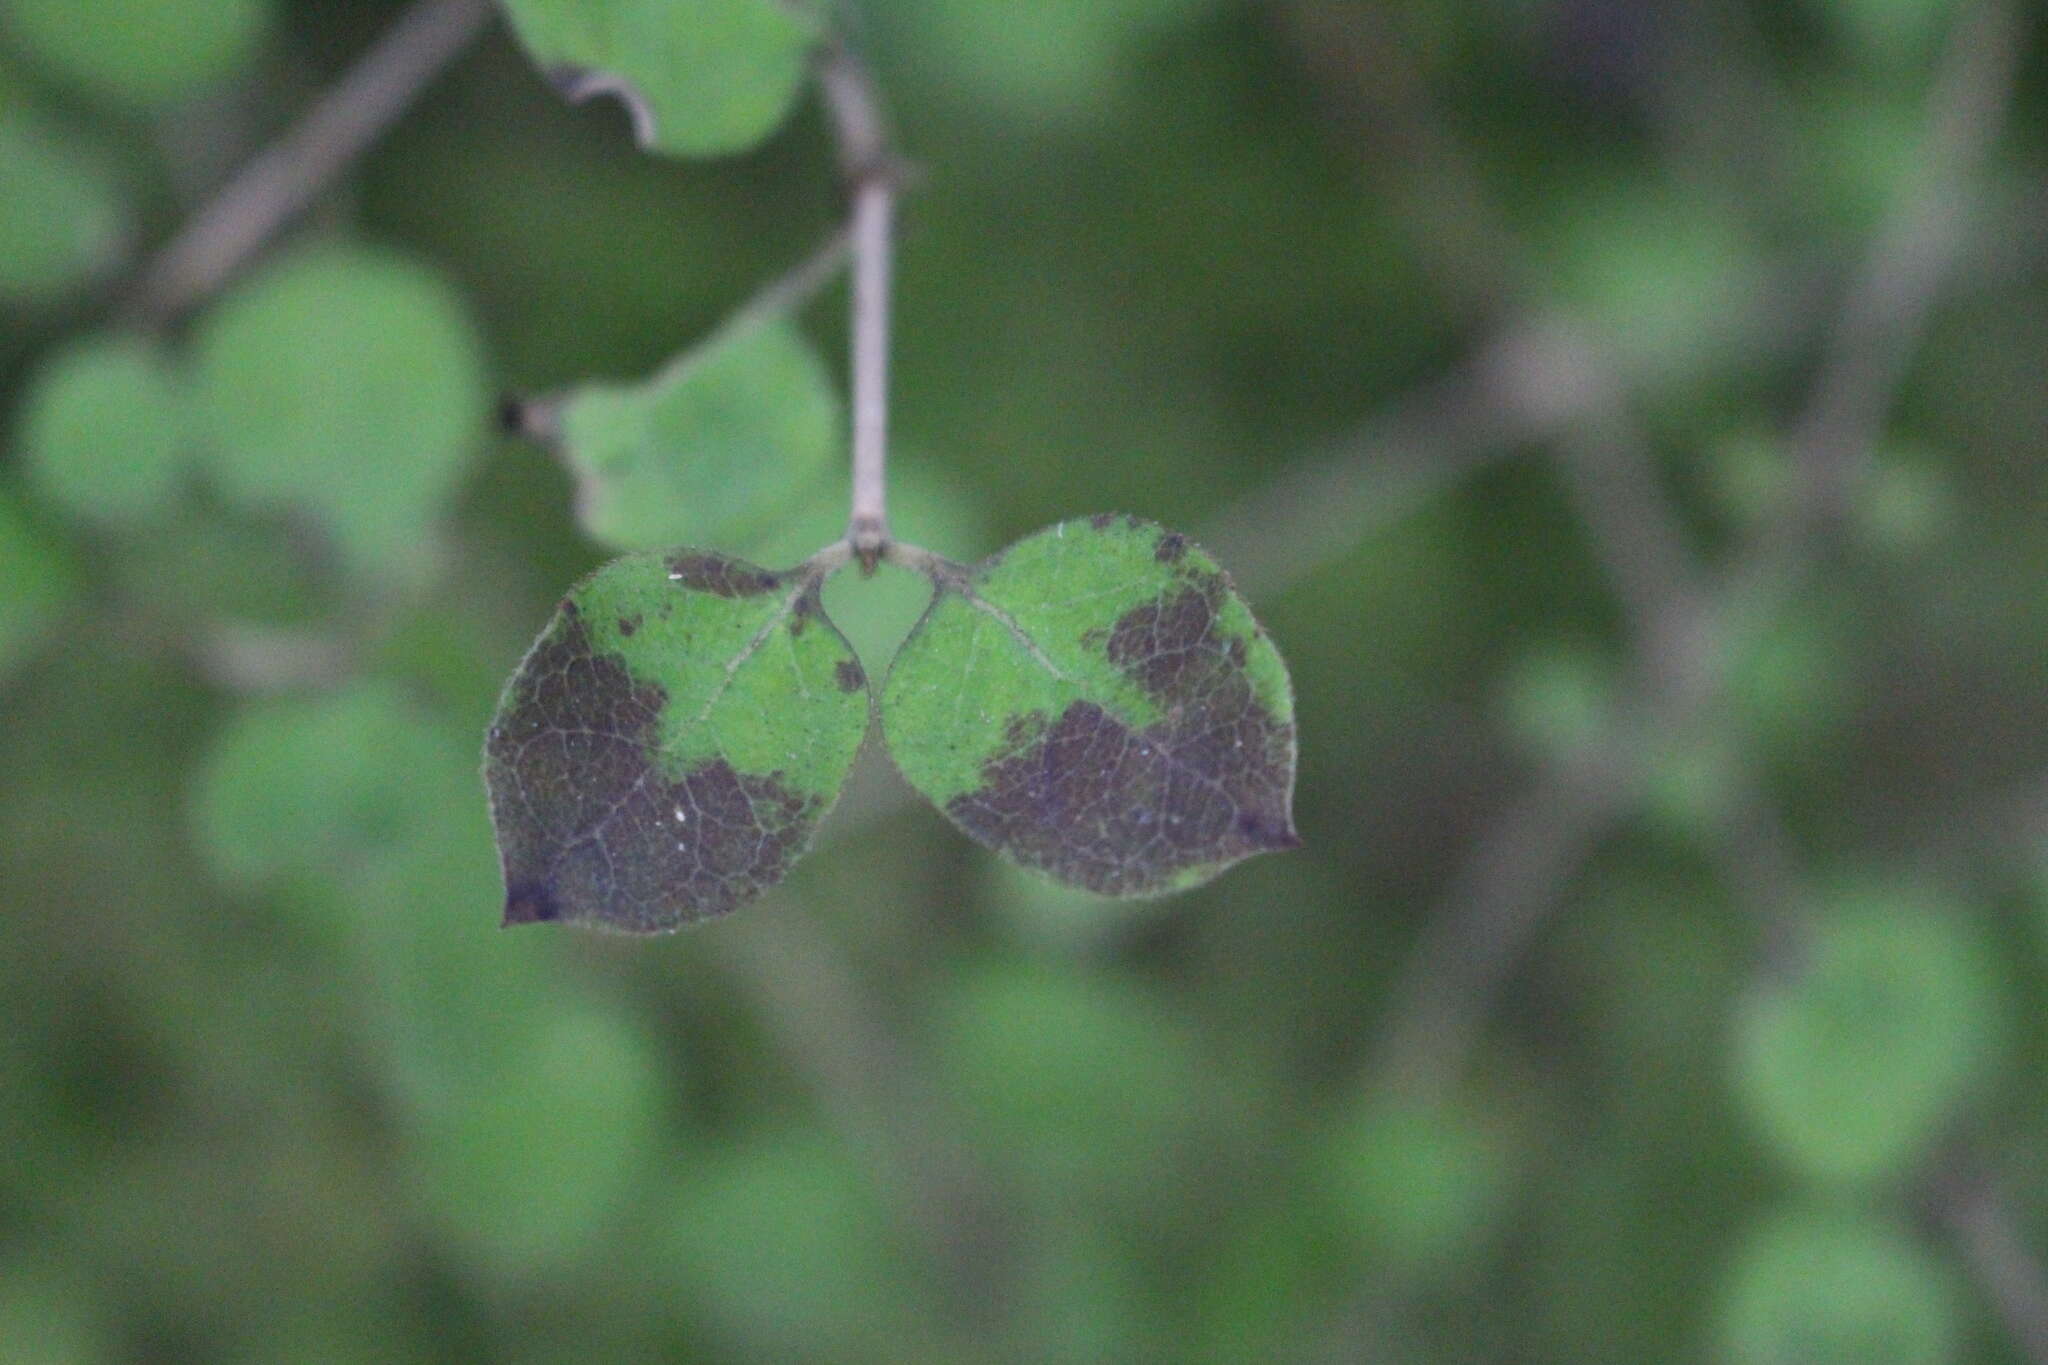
(666, 749)
(1099, 704)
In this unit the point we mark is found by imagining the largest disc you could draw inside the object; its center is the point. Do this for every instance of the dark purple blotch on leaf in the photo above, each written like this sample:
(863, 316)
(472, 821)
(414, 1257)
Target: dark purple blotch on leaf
(1128, 812)
(720, 575)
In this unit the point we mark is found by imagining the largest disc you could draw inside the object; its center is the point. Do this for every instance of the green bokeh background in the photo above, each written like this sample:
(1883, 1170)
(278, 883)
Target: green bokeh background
(275, 1087)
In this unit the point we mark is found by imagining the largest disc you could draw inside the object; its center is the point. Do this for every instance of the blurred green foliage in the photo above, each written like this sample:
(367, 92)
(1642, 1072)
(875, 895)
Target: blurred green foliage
(721, 445)
(275, 1087)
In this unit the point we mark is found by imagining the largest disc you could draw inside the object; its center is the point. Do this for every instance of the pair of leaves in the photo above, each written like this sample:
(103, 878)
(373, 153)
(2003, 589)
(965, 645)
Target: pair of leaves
(1096, 703)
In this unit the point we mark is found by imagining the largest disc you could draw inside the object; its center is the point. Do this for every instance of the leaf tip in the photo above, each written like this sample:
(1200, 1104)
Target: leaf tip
(530, 903)
(1267, 836)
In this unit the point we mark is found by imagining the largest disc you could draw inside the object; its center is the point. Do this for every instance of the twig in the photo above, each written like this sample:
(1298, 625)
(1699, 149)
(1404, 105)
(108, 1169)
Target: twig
(539, 418)
(285, 177)
(1510, 882)
(867, 161)
(790, 291)
(1327, 502)
(1497, 901)
(2012, 1276)
(1886, 309)
(830, 1027)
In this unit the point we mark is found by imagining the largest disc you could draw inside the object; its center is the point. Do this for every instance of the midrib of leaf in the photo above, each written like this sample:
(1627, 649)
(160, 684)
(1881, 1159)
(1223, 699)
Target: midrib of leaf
(749, 650)
(1009, 623)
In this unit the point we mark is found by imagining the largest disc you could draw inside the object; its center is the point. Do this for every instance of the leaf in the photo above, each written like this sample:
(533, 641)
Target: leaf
(789, 1254)
(1097, 703)
(707, 451)
(699, 77)
(524, 1163)
(40, 584)
(1418, 1184)
(668, 746)
(1827, 1288)
(1851, 1069)
(139, 50)
(1062, 65)
(62, 217)
(347, 381)
(103, 429)
(1086, 1087)
(325, 785)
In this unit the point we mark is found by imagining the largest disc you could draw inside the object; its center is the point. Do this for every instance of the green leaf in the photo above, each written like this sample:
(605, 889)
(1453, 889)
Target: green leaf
(320, 785)
(1085, 1086)
(1850, 1069)
(1659, 274)
(792, 1256)
(39, 580)
(347, 381)
(669, 745)
(1823, 1288)
(1556, 698)
(708, 450)
(49, 1314)
(1097, 703)
(139, 50)
(62, 217)
(1066, 62)
(700, 77)
(1418, 1185)
(103, 429)
(523, 1164)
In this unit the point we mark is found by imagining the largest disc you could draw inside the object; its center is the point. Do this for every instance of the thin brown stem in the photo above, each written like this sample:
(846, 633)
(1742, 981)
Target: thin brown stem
(1893, 293)
(876, 1090)
(867, 161)
(538, 418)
(1971, 1209)
(281, 180)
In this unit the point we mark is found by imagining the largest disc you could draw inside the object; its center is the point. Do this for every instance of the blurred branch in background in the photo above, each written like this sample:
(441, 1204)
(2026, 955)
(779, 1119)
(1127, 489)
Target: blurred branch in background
(879, 1095)
(278, 183)
(1970, 1207)
(1520, 866)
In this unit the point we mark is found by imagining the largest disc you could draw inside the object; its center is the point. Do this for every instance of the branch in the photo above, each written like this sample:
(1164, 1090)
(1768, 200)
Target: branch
(1981, 1224)
(1893, 293)
(1511, 881)
(538, 418)
(869, 165)
(284, 177)
(876, 1094)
